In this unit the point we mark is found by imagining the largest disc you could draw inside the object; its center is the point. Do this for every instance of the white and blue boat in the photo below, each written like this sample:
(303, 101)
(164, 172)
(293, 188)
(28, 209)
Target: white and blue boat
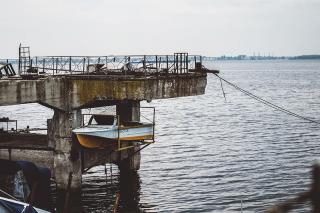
(105, 130)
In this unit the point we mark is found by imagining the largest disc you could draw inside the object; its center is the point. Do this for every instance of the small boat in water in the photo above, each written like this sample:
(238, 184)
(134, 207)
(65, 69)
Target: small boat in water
(106, 130)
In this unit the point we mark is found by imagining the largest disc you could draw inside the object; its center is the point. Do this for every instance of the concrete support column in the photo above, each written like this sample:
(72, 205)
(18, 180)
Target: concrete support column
(129, 110)
(66, 157)
(128, 161)
(130, 192)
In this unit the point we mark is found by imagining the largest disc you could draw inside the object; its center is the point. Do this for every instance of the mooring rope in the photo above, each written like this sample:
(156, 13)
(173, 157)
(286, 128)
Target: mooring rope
(10, 196)
(267, 103)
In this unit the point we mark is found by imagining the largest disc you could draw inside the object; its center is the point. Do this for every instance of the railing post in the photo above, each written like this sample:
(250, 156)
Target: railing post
(19, 65)
(70, 64)
(181, 62)
(187, 63)
(84, 64)
(124, 66)
(167, 63)
(145, 69)
(130, 65)
(88, 65)
(57, 62)
(177, 64)
(52, 65)
(157, 63)
(43, 64)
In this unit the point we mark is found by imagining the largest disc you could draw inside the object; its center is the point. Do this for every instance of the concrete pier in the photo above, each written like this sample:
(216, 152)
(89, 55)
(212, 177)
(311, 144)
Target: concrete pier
(67, 95)
(68, 92)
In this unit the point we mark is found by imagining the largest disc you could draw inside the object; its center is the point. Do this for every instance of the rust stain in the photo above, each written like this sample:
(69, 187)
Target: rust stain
(85, 91)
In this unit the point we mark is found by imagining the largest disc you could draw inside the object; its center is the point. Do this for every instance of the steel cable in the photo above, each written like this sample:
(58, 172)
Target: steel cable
(265, 102)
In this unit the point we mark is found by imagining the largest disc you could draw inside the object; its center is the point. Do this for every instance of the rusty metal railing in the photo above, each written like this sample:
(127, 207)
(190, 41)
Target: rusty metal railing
(144, 64)
(179, 63)
(312, 195)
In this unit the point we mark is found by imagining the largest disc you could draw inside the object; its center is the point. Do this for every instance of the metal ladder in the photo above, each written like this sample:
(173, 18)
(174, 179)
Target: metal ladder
(181, 63)
(24, 59)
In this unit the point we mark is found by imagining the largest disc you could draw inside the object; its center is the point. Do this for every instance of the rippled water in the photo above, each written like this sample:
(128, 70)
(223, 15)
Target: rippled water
(213, 154)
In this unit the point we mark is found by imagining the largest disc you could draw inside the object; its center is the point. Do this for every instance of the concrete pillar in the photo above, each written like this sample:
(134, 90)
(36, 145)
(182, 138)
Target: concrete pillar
(128, 161)
(129, 110)
(66, 157)
(130, 192)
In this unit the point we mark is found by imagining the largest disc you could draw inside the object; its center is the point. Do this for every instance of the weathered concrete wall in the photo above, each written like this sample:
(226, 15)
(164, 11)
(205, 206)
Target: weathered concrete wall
(18, 91)
(137, 89)
(41, 158)
(66, 156)
(95, 157)
(64, 162)
(71, 92)
(26, 146)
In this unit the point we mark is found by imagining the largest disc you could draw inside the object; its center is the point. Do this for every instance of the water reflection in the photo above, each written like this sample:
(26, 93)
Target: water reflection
(100, 185)
(130, 184)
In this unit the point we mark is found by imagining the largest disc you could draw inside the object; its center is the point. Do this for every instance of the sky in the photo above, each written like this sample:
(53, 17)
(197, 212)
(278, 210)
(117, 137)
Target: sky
(206, 27)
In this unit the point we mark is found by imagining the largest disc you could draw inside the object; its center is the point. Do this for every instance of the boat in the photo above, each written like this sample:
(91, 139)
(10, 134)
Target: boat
(14, 206)
(25, 187)
(107, 130)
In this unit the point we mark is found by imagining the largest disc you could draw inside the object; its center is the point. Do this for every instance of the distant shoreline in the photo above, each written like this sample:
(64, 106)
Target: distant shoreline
(254, 58)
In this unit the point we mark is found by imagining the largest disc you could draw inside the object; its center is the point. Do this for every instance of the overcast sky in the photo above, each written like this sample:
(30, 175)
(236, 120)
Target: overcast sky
(207, 27)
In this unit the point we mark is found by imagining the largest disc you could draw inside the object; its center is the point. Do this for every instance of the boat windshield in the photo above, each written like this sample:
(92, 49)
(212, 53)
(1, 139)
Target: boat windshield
(102, 119)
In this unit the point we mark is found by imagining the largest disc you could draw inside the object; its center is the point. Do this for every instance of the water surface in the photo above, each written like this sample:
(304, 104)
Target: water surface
(213, 154)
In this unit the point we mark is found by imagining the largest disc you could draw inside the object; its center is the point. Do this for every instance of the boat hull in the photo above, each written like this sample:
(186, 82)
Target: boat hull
(100, 137)
(13, 206)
